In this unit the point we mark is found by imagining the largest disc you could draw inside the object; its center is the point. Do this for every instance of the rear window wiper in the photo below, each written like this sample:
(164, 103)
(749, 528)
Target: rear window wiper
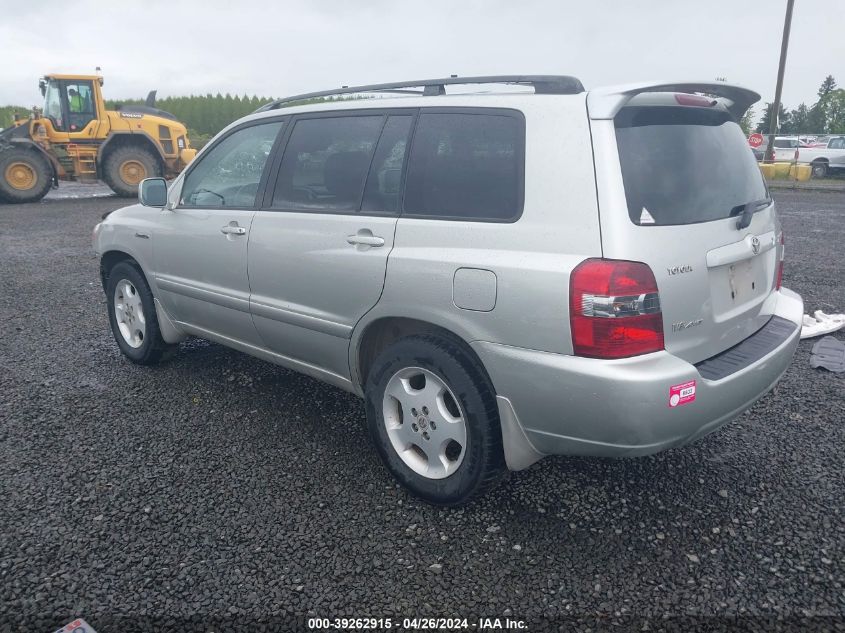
(747, 210)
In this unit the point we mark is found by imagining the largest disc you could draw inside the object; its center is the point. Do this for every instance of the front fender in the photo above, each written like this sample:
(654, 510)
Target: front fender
(131, 231)
(134, 135)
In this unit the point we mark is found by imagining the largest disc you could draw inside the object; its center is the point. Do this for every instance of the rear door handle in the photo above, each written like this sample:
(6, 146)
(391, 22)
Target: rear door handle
(365, 237)
(232, 229)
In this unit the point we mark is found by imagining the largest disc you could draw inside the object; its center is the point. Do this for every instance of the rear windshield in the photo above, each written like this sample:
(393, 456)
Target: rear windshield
(683, 165)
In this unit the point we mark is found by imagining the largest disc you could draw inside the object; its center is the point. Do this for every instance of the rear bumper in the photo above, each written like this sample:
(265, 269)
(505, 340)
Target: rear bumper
(581, 406)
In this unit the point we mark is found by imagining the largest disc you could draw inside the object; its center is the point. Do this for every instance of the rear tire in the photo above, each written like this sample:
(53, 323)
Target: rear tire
(432, 415)
(132, 316)
(819, 170)
(25, 176)
(126, 167)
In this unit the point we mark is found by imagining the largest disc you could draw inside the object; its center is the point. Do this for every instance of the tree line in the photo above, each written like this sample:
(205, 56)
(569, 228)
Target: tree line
(825, 116)
(7, 114)
(203, 115)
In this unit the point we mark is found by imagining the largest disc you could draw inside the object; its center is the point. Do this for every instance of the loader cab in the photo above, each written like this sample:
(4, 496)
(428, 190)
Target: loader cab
(72, 104)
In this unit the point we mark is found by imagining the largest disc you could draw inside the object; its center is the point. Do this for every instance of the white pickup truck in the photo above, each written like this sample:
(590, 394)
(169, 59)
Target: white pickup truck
(828, 157)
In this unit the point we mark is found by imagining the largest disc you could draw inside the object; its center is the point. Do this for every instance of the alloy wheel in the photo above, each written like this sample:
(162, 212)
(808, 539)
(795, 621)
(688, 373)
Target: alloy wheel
(129, 313)
(424, 422)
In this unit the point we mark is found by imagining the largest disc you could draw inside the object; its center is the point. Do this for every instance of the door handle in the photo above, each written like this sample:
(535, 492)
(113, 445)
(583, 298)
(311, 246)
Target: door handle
(365, 237)
(232, 229)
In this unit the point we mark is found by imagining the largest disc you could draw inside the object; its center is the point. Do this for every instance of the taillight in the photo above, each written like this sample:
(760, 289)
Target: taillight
(685, 99)
(614, 309)
(779, 266)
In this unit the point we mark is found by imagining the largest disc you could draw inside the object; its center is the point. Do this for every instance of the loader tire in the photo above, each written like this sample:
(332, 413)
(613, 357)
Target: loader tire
(25, 176)
(126, 167)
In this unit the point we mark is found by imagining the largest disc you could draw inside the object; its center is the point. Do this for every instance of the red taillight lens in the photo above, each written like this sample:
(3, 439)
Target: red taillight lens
(779, 264)
(694, 100)
(614, 309)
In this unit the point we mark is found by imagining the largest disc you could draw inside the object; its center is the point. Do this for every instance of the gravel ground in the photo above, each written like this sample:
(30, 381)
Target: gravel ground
(220, 489)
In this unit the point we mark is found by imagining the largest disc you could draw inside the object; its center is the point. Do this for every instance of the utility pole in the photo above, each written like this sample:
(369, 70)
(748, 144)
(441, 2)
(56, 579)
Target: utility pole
(773, 118)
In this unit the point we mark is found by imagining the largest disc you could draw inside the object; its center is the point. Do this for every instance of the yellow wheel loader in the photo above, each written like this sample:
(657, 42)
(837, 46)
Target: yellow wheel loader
(74, 137)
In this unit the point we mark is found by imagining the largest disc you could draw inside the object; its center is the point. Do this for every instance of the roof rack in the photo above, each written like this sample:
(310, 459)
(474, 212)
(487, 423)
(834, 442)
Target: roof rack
(542, 84)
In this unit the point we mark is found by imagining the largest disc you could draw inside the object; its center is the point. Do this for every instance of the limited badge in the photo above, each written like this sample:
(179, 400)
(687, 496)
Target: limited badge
(682, 394)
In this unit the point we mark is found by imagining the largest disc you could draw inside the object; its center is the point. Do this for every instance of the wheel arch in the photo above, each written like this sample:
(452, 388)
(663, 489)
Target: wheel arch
(380, 332)
(130, 139)
(170, 331)
(374, 336)
(112, 258)
(29, 144)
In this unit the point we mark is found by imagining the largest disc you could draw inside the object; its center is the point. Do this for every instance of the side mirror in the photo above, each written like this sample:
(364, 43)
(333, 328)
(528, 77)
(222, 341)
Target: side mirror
(152, 192)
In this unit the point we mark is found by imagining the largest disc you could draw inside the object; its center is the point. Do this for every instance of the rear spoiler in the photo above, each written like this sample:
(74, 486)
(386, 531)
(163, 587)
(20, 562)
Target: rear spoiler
(605, 103)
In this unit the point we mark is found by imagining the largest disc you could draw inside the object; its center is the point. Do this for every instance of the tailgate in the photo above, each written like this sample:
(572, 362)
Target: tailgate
(676, 175)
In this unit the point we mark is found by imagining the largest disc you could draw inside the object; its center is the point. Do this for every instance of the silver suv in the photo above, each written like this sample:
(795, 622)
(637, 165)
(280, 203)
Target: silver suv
(501, 276)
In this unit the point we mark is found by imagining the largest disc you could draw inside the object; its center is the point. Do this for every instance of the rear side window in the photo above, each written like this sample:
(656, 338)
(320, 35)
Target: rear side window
(326, 162)
(685, 165)
(785, 143)
(466, 166)
(837, 143)
(384, 182)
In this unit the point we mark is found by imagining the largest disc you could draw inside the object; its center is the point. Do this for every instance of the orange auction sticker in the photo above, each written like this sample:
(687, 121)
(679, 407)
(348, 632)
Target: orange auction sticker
(682, 394)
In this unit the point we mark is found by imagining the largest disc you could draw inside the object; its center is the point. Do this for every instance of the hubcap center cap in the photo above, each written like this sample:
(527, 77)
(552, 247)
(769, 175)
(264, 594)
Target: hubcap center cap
(422, 421)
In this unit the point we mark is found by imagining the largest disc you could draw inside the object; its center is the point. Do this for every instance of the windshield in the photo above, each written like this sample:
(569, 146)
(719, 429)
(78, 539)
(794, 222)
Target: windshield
(682, 165)
(53, 105)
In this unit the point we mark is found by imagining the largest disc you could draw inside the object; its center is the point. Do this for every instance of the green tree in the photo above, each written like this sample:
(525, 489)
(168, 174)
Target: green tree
(828, 86)
(799, 119)
(7, 115)
(747, 121)
(834, 104)
(818, 120)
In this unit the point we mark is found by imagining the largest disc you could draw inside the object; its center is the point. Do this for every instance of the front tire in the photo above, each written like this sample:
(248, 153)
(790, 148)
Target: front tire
(126, 167)
(132, 316)
(25, 176)
(432, 415)
(819, 170)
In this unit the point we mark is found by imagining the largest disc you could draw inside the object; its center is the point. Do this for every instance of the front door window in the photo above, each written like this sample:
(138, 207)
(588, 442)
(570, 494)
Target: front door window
(53, 106)
(80, 102)
(228, 174)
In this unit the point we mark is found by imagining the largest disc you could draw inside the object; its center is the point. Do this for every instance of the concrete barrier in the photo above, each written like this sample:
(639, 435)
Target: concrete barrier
(801, 173)
(786, 171)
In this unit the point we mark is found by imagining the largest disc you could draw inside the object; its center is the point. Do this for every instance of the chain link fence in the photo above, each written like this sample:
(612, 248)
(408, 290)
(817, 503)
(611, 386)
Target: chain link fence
(825, 153)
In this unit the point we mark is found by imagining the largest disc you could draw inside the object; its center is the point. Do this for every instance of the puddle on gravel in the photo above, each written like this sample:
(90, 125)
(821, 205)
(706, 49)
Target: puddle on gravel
(74, 190)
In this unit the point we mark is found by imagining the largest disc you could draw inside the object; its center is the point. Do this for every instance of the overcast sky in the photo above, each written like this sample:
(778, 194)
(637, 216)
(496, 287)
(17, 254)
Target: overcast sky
(280, 47)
